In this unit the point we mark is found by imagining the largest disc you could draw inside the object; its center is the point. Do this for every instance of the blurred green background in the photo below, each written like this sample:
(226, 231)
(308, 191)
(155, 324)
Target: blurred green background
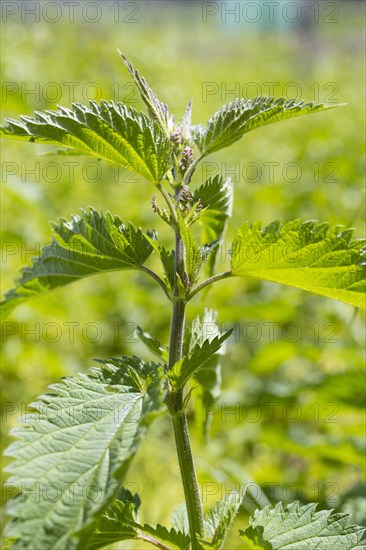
(290, 417)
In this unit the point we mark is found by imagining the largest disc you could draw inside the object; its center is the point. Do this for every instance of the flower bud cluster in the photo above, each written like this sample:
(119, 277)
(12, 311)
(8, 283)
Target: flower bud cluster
(186, 159)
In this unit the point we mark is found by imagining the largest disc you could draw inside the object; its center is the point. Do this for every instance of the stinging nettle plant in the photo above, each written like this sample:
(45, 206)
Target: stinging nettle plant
(86, 430)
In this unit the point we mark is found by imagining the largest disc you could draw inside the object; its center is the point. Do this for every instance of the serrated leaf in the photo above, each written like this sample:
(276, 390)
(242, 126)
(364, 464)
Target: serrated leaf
(302, 528)
(73, 447)
(186, 122)
(307, 255)
(117, 523)
(218, 520)
(179, 518)
(238, 117)
(107, 130)
(177, 540)
(216, 198)
(189, 365)
(121, 522)
(209, 376)
(157, 110)
(167, 258)
(88, 244)
(193, 257)
(145, 376)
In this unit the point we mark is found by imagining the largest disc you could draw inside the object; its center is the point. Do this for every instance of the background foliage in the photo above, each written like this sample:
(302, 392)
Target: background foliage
(291, 412)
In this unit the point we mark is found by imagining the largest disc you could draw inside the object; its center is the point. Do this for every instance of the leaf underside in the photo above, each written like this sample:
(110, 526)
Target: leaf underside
(73, 446)
(107, 130)
(238, 117)
(307, 255)
(88, 244)
(219, 519)
(302, 528)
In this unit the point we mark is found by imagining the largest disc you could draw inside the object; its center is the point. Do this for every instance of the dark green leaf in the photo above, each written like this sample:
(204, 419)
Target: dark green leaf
(117, 523)
(86, 245)
(209, 376)
(176, 540)
(110, 130)
(216, 197)
(189, 365)
(237, 118)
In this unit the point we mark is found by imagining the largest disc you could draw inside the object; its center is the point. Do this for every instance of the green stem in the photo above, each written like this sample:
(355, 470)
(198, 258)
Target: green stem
(189, 478)
(179, 418)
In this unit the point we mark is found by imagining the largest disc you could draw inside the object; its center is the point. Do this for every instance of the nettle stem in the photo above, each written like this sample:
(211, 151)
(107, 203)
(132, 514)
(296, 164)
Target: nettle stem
(180, 425)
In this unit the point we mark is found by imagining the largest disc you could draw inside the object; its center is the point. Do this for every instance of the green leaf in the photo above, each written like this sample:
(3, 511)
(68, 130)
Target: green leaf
(167, 258)
(86, 245)
(110, 130)
(216, 198)
(209, 376)
(117, 523)
(186, 122)
(307, 255)
(156, 109)
(195, 256)
(193, 259)
(179, 518)
(152, 343)
(176, 539)
(144, 376)
(189, 365)
(302, 528)
(219, 519)
(238, 117)
(73, 447)
(121, 522)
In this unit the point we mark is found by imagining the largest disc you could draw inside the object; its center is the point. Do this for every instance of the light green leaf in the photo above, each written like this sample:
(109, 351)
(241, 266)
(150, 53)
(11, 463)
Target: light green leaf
(179, 518)
(186, 122)
(156, 109)
(302, 528)
(219, 519)
(216, 198)
(189, 365)
(73, 447)
(307, 255)
(110, 130)
(238, 117)
(86, 245)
